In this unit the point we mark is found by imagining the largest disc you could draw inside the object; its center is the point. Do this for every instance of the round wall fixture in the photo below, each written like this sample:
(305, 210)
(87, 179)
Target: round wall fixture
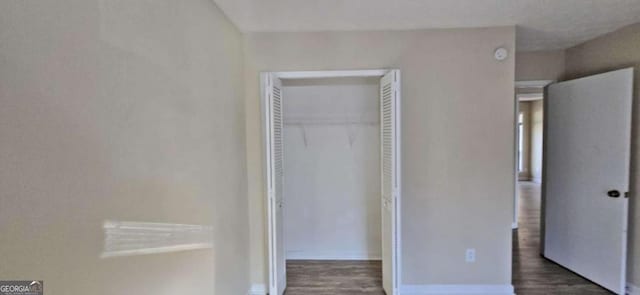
(501, 53)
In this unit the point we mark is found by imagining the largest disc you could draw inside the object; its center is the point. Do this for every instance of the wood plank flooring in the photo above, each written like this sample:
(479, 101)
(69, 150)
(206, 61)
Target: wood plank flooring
(313, 277)
(532, 274)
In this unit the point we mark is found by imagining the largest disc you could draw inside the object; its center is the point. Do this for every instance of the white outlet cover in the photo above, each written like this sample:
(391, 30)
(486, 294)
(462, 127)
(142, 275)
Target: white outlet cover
(470, 255)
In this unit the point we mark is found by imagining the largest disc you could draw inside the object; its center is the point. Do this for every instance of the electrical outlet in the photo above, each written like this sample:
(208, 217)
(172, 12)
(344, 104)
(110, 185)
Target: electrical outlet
(470, 255)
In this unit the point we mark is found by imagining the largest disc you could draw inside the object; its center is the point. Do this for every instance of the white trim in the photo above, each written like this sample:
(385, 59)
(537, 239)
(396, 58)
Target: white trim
(265, 78)
(533, 83)
(330, 74)
(257, 289)
(516, 170)
(530, 96)
(398, 201)
(457, 289)
(632, 289)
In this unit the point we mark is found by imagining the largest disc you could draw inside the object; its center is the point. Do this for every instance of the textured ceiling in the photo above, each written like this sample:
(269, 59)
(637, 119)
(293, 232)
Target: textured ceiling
(542, 24)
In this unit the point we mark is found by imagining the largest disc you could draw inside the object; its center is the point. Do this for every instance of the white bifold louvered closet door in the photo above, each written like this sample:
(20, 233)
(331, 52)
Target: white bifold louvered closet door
(390, 158)
(278, 280)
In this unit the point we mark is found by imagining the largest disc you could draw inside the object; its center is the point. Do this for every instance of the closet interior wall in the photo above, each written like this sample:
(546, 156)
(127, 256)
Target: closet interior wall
(332, 168)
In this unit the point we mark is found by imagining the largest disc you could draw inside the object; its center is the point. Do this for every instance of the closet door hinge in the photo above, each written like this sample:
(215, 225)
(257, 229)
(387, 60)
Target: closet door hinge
(395, 195)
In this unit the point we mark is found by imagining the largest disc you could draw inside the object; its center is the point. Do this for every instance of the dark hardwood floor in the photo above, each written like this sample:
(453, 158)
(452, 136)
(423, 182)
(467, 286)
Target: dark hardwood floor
(313, 277)
(532, 274)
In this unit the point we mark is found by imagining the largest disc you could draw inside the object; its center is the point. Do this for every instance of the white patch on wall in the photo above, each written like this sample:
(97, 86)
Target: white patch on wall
(126, 238)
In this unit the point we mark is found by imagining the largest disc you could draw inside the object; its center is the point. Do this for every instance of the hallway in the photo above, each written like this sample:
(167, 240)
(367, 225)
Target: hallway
(532, 274)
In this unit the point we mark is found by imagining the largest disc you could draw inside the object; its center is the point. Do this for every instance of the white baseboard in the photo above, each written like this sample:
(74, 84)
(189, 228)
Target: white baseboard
(632, 289)
(297, 255)
(457, 289)
(258, 289)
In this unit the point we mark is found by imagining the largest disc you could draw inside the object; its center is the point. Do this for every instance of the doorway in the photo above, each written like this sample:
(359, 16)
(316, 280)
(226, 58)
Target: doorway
(325, 133)
(532, 272)
(529, 131)
(571, 234)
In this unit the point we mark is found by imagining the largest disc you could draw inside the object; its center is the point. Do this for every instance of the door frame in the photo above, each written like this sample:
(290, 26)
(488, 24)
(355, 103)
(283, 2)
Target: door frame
(539, 85)
(264, 103)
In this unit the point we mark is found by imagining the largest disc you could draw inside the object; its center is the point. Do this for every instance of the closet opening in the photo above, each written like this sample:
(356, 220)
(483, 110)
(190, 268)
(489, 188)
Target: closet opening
(332, 176)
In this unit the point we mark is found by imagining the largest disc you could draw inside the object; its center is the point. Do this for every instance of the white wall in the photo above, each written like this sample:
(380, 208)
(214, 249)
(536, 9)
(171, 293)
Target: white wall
(458, 141)
(332, 173)
(127, 110)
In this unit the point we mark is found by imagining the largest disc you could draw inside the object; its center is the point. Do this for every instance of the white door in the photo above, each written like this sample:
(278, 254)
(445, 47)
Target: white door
(390, 173)
(587, 147)
(274, 143)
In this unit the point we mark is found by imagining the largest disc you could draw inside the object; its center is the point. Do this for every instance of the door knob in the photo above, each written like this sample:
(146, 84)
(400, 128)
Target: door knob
(613, 194)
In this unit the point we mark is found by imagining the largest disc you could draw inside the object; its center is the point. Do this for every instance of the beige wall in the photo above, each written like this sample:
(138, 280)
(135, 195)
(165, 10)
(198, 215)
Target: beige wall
(537, 118)
(617, 50)
(458, 176)
(540, 65)
(125, 110)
